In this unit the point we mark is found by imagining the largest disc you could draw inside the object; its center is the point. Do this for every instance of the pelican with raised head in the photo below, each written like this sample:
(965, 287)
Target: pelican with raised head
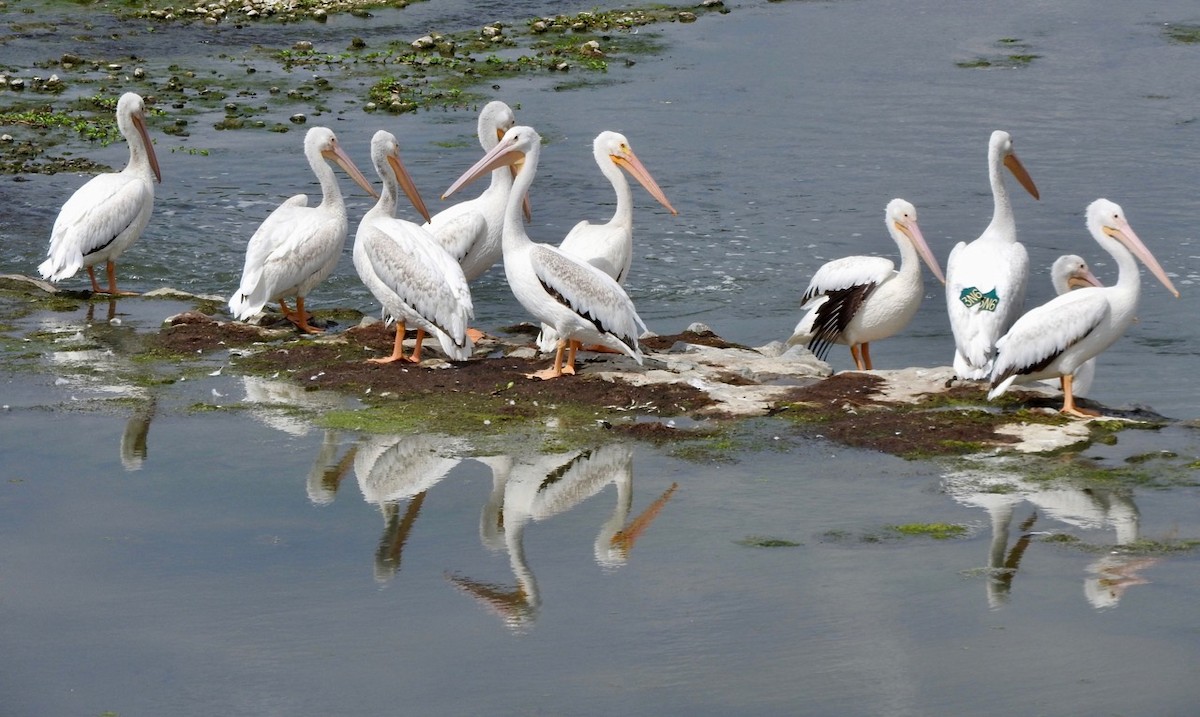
(470, 231)
(298, 246)
(609, 246)
(573, 297)
(405, 268)
(859, 299)
(108, 213)
(1056, 338)
(985, 279)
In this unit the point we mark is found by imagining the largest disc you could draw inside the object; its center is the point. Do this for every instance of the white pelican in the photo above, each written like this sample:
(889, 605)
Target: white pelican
(471, 231)
(406, 269)
(1057, 337)
(609, 246)
(108, 213)
(1071, 272)
(985, 280)
(575, 298)
(859, 299)
(297, 246)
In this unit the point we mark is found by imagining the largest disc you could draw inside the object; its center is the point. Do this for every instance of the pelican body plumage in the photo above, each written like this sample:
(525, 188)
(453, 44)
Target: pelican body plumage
(859, 299)
(576, 299)
(609, 246)
(986, 279)
(298, 246)
(108, 213)
(1056, 338)
(406, 269)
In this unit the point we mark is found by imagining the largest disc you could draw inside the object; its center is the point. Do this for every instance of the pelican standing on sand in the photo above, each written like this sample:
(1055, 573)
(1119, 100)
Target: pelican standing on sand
(573, 297)
(1071, 272)
(406, 269)
(609, 246)
(108, 213)
(1056, 338)
(297, 246)
(859, 299)
(471, 231)
(985, 280)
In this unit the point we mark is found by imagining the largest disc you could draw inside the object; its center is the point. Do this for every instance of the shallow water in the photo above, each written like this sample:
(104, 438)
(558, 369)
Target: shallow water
(229, 567)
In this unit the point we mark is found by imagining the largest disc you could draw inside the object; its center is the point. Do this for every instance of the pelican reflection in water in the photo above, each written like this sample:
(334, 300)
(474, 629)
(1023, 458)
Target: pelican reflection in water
(541, 487)
(1001, 492)
(397, 468)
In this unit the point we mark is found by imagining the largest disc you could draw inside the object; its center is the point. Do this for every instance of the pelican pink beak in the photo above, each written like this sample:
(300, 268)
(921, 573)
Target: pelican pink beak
(630, 163)
(502, 155)
(1081, 278)
(908, 227)
(1120, 230)
(336, 154)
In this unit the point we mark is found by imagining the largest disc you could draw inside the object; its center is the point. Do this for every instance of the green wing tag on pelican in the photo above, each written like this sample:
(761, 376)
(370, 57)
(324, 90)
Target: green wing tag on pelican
(972, 296)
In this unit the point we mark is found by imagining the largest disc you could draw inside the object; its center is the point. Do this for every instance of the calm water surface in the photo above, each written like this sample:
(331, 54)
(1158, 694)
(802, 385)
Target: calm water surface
(154, 560)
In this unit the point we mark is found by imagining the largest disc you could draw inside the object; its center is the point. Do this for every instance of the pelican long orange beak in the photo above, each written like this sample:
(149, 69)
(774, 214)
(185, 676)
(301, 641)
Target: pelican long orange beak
(337, 154)
(140, 123)
(630, 163)
(1018, 170)
(407, 184)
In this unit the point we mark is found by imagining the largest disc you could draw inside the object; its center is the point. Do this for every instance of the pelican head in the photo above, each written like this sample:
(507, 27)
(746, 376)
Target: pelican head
(615, 147)
(902, 221)
(1105, 220)
(131, 118)
(510, 151)
(385, 154)
(322, 141)
(1001, 147)
(494, 120)
(1071, 272)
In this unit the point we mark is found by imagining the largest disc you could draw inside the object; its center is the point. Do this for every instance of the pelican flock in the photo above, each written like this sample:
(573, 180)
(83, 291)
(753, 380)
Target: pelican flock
(421, 274)
(609, 246)
(298, 246)
(108, 213)
(859, 299)
(985, 280)
(406, 269)
(574, 298)
(1056, 338)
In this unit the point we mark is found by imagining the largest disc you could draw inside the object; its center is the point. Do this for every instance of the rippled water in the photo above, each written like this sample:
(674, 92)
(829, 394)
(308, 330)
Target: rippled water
(167, 562)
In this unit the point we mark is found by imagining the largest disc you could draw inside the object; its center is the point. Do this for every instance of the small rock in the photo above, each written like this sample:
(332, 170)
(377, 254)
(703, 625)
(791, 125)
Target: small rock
(687, 17)
(303, 46)
(591, 48)
(298, 118)
(423, 43)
